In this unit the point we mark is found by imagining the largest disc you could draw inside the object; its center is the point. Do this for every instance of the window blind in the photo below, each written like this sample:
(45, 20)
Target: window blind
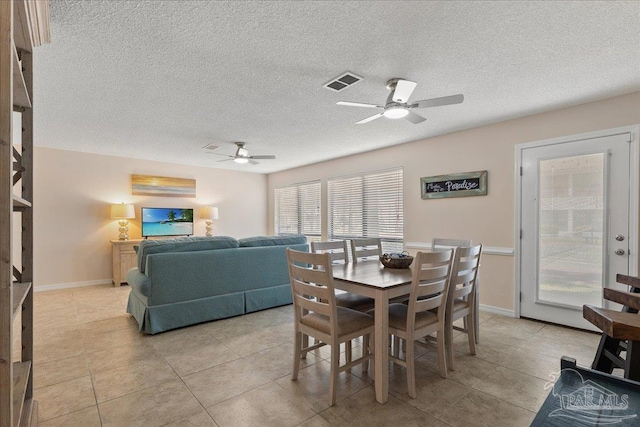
(298, 210)
(368, 205)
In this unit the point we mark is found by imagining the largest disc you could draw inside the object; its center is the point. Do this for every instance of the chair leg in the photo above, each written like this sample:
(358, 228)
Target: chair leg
(396, 346)
(348, 353)
(471, 332)
(365, 352)
(297, 346)
(305, 344)
(372, 361)
(448, 340)
(411, 368)
(442, 359)
(335, 364)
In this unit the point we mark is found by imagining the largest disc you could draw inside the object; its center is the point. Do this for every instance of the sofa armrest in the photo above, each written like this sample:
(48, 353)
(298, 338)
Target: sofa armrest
(139, 282)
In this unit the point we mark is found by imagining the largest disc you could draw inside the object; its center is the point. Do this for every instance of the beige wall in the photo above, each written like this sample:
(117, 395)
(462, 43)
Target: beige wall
(487, 219)
(74, 191)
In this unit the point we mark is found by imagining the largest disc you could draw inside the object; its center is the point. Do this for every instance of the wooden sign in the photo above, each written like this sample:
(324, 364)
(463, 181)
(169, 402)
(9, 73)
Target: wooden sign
(454, 185)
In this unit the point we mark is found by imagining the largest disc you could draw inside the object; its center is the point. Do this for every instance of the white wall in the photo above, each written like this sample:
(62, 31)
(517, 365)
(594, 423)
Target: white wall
(485, 219)
(74, 191)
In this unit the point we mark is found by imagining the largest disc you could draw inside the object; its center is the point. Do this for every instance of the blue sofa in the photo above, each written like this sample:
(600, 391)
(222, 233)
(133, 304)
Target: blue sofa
(185, 281)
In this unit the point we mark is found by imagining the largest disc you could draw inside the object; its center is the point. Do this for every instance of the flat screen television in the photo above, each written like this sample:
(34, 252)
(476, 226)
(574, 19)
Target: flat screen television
(167, 222)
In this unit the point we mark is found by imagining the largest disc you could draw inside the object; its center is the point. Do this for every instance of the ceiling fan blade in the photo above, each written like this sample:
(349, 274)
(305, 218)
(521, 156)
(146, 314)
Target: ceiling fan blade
(358, 104)
(437, 102)
(403, 90)
(269, 157)
(225, 160)
(414, 118)
(253, 162)
(369, 119)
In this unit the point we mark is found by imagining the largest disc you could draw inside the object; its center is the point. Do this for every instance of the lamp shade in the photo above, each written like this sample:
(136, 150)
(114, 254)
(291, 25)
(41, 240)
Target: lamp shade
(209, 212)
(122, 211)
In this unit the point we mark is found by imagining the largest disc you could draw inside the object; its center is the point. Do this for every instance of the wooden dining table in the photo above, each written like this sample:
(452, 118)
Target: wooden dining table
(372, 279)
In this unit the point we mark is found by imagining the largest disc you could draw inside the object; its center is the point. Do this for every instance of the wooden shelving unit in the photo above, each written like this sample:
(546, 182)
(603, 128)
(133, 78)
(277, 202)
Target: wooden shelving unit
(24, 24)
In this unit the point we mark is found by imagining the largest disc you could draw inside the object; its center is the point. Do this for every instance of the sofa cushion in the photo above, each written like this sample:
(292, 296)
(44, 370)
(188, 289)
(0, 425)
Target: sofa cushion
(291, 239)
(182, 244)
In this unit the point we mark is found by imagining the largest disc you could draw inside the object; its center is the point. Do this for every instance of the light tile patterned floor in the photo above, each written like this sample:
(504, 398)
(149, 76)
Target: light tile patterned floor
(93, 368)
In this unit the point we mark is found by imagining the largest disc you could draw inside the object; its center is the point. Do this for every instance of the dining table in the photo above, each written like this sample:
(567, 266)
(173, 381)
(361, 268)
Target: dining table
(372, 279)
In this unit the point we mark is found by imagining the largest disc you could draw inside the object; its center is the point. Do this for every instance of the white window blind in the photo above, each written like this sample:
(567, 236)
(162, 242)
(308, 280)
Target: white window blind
(368, 205)
(297, 210)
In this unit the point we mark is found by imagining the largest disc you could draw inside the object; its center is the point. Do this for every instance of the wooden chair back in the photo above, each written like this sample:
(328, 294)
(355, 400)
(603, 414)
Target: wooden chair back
(338, 250)
(438, 243)
(362, 248)
(464, 272)
(430, 284)
(312, 285)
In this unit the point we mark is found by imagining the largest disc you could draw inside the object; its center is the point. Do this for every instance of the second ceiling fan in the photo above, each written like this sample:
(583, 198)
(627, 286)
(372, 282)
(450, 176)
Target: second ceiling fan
(398, 106)
(242, 156)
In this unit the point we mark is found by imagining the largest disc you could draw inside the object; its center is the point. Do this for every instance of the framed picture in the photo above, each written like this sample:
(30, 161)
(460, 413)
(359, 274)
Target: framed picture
(147, 185)
(454, 185)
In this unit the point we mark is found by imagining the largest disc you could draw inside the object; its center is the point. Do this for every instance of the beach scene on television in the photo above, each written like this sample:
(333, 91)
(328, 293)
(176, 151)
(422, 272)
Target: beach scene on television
(167, 222)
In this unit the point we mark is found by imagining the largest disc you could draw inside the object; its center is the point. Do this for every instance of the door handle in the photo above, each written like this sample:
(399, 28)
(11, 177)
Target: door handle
(619, 252)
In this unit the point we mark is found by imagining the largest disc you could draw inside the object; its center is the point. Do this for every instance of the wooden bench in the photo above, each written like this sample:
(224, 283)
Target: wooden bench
(620, 330)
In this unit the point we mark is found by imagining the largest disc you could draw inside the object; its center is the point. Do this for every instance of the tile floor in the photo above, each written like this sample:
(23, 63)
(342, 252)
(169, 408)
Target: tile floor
(93, 368)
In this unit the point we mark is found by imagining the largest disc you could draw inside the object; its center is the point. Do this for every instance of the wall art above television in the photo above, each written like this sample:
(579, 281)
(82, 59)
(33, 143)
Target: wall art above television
(147, 185)
(166, 222)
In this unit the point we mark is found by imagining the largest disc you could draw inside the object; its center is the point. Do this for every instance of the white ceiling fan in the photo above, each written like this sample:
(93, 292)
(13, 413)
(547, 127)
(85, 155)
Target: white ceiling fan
(242, 156)
(398, 106)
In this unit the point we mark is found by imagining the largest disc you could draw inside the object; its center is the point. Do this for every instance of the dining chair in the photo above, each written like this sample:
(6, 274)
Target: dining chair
(439, 244)
(365, 247)
(317, 315)
(338, 250)
(339, 253)
(425, 313)
(462, 295)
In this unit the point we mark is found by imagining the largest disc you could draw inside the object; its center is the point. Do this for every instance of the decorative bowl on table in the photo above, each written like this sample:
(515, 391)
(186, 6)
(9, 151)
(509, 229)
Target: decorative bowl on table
(401, 260)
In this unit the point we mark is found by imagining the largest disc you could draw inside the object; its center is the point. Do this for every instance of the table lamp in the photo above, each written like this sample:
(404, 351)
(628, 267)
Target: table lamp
(209, 213)
(123, 213)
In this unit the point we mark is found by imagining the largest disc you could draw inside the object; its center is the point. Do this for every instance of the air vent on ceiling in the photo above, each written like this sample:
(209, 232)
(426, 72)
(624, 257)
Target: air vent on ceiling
(342, 81)
(211, 147)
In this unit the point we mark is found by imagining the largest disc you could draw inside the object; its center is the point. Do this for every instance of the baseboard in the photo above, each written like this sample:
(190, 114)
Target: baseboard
(486, 250)
(497, 310)
(56, 287)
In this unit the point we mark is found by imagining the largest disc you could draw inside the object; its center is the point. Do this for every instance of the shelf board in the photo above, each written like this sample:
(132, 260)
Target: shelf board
(19, 203)
(20, 291)
(20, 93)
(21, 371)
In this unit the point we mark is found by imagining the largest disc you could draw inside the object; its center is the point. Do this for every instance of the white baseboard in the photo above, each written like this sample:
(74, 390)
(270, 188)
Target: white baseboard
(486, 250)
(46, 288)
(497, 310)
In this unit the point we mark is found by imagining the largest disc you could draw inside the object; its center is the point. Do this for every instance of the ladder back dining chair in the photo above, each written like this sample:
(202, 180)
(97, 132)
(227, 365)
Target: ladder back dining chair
(317, 315)
(365, 248)
(425, 312)
(462, 295)
(439, 244)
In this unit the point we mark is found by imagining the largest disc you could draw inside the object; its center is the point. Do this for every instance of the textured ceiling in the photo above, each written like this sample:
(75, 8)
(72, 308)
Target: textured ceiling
(159, 80)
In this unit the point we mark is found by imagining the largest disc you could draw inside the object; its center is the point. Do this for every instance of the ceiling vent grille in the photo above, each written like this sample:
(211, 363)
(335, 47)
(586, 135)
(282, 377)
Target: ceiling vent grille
(211, 147)
(342, 81)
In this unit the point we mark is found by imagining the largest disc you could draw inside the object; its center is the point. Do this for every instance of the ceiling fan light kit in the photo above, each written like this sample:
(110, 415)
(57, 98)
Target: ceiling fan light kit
(398, 106)
(395, 112)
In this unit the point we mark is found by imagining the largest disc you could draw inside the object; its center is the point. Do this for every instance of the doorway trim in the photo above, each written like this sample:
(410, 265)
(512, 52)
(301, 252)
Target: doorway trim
(634, 208)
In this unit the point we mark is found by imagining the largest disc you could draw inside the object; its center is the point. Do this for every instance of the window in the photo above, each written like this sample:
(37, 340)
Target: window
(297, 210)
(368, 205)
